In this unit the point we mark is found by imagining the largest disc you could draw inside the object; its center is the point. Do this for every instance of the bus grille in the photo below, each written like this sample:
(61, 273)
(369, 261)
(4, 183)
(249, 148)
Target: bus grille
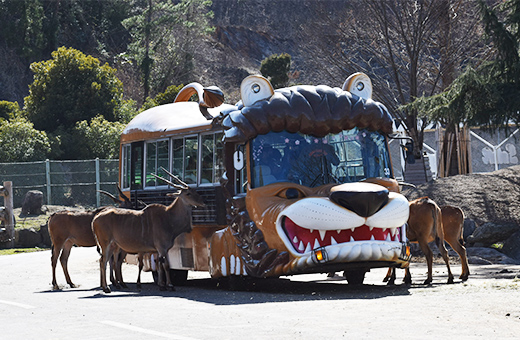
(213, 213)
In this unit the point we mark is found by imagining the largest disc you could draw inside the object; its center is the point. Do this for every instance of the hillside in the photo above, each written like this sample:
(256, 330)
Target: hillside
(489, 197)
(246, 32)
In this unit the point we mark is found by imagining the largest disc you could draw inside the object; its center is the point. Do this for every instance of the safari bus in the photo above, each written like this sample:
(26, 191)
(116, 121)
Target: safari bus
(295, 180)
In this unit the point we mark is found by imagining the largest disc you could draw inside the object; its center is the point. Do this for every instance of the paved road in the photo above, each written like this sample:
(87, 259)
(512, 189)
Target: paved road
(299, 307)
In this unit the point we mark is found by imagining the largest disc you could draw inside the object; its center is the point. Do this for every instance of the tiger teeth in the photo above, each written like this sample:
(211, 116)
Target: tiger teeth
(322, 234)
(301, 247)
(333, 241)
(316, 244)
(295, 239)
(393, 231)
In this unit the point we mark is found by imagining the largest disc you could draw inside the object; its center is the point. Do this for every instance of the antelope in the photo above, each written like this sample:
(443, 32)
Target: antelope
(152, 229)
(67, 228)
(425, 224)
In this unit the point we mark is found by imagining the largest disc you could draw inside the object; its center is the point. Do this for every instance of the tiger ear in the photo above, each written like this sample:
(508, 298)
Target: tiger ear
(255, 88)
(359, 84)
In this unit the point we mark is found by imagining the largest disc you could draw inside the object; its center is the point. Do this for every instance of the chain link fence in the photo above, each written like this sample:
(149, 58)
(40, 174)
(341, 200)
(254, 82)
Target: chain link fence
(64, 182)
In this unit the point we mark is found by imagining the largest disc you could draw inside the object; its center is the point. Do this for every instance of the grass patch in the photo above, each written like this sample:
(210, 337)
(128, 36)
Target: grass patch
(19, 251)
(31, 222)
(498, 246)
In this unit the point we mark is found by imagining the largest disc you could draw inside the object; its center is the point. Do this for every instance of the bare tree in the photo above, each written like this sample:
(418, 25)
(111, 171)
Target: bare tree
(408, 48)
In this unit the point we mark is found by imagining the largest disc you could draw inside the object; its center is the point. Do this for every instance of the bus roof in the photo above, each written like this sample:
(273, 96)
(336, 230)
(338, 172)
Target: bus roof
(165, 120)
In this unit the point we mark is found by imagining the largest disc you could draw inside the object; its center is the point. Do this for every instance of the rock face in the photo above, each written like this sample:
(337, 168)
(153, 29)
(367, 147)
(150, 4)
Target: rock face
(512, 246)
(32, 203)
(27, 238)
(490, 197)
(491, 233)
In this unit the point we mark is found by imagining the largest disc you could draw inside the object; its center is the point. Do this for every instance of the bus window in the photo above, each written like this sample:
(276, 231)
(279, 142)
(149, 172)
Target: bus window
(348, 156)
(136, 166)
(212, 166)
(191, 157)
(151, 159)
(156, 157)
(126, 163)
(163, 155)
(207, 143)
(178, 157)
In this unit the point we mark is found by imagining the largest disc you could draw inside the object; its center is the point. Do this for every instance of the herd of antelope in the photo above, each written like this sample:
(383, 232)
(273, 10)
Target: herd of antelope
(120, 231)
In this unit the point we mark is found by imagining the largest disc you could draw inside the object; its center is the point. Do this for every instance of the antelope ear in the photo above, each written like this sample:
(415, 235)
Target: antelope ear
(255, 88)
(359, 84)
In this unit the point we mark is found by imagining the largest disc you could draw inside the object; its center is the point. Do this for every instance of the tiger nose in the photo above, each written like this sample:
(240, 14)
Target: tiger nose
(365, 199)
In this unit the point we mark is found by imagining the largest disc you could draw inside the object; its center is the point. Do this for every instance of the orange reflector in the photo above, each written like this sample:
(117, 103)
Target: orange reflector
(407, 251)
(319, 255)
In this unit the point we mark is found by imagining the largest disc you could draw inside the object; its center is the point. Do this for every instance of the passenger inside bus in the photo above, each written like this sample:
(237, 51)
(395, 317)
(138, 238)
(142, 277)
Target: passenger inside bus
(348, 156)
(267, 167)
(313, 165)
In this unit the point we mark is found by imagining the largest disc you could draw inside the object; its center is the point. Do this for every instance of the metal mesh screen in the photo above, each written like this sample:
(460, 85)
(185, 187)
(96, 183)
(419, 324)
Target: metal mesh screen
(63, 182)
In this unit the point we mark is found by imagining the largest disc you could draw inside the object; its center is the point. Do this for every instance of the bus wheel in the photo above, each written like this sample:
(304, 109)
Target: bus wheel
(178, 277)
(235, 283)
(355, 277)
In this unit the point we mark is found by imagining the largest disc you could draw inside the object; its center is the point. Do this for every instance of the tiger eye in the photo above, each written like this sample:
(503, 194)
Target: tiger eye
(292, 193)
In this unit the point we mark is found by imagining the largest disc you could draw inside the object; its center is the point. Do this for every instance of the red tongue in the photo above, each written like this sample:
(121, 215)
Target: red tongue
(300, 237)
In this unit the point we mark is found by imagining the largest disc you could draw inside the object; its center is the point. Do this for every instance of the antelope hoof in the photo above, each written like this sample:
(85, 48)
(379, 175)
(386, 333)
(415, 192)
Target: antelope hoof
(106, 290)
(55, 287)
(124, 285)
(390, 282)
(464, 277)
(407, 280)
(171, 288)
(428, 281)
(450, 280)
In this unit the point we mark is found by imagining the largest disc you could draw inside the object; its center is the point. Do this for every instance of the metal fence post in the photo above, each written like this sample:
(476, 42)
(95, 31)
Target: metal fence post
(7, 192)
(48, 176)
(98, 186)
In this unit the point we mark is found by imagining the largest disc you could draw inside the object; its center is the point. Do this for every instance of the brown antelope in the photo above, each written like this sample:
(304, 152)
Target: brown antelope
(425, 224)
(68, 228)
(152, 229)
(453, 226)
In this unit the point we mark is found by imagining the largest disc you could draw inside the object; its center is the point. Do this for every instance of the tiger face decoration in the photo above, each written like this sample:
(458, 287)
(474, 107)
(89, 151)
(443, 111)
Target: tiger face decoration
(319, 194)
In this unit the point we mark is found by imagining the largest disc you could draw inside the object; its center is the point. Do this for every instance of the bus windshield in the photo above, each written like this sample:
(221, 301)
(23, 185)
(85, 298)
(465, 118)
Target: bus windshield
(348, 156)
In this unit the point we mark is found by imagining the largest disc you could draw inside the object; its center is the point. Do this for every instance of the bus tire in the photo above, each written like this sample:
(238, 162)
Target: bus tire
(179, 277)
(355, 277)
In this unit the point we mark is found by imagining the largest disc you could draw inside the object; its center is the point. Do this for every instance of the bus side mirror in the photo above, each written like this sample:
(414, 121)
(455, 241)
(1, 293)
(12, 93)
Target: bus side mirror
(408, 152)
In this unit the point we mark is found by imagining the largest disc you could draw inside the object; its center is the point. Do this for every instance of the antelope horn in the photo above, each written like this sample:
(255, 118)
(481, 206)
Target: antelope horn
(176, 186)
(121, 194)
(114, 198)
(186, 186)
(407, 184)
